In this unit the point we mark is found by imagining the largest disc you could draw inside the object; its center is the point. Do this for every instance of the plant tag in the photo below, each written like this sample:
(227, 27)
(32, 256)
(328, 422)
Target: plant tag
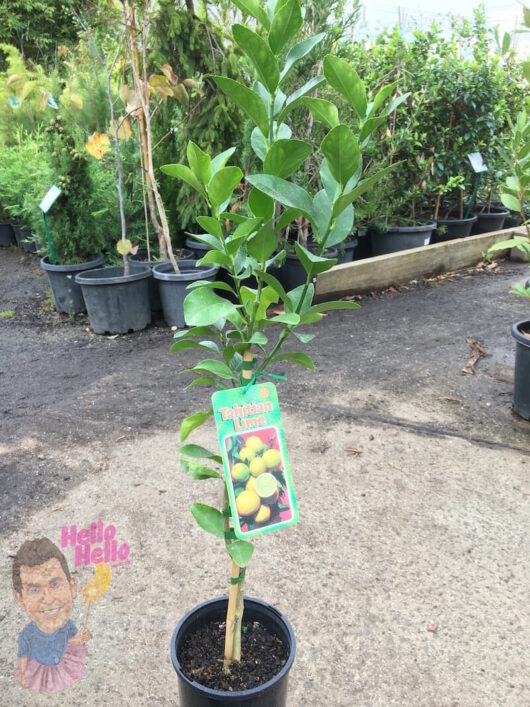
(477, 162)
(256, 465)
(49, 200)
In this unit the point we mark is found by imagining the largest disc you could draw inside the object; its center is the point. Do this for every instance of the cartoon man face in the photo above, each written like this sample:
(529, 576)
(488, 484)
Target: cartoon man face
(47, 595)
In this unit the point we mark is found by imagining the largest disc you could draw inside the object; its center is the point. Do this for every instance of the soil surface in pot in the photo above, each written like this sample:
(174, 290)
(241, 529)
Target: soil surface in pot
(263, 655)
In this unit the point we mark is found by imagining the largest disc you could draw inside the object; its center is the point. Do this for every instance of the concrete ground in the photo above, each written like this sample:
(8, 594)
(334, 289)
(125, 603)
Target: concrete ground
(406, 579)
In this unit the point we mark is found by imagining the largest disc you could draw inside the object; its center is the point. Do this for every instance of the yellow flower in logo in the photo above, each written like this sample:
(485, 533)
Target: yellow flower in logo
(98, 144)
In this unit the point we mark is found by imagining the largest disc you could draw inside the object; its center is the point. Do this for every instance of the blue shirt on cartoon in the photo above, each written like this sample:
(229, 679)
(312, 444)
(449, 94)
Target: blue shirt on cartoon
(45, 648)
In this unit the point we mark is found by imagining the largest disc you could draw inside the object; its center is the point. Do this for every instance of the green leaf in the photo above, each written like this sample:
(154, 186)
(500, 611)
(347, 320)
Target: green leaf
(295, 301)
(192, 422)
(363, 186)
(214, 366)
(370, 125)
(254, 9)
(287, 217)
(247, 227)
(322, 110)
(344, 79)
(223, 183)
(304, 338)
(258, 144)
(335, 304)
(506, 42)
(286, 193)
(260, 204)
(329, 182)
(216, 285)
(268, 296)
(342, 153)
(221, 159)
(211, 225)
(240, 551)
(299, 51)
(517, 242)
(197, 452)
(285, 157)
(199, 471)
(289, 318)
(207, 239)
(510, 202)
(521, 290)
(258, 338)
(215, 257)
(209, 519)
(286, 22)
(274, 283)
(185, 344)
(260, 54)
(180, 171)
(381, 96)
(200, 163)
(208, 381)
(313, 264)
(311, 318)
(195, 331)
(203, 307)
(294, 100)
(322, 209)
(246, 99)
(263, 243)
(301, 359)
(342, 228)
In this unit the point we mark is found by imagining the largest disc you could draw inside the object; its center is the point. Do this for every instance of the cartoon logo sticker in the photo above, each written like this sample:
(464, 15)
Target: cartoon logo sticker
(51, 651)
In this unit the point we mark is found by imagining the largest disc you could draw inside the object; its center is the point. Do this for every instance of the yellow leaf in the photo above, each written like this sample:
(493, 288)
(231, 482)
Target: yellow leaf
(134, 105)
(124, 247)
(163, 91)
(124, 92)
(181, 94)
(124, 128)
(190, 83)
(169, 73)
(28, 88)
(76, 101)
(12, 79)
(97, 145)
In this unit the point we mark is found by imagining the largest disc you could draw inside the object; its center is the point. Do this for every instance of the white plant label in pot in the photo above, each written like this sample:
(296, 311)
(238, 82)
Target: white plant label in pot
(477, 162)
(255, 460)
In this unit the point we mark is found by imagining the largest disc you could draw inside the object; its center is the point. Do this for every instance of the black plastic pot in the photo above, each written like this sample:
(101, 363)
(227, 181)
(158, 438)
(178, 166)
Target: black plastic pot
(364, 245)
(348, 249)
(454, 228)
(116, 303)
(16, 230)
(7, 235)
(489, 221)
(200, 249)
(271, 694)
(28, 246)
(512, 220)
(521, 386)
(67, 293)
(173, 286)
(154, 290)
(401, 238)
(293, 273)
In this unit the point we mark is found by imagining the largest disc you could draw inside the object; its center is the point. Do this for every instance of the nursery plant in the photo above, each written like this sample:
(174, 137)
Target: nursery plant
(230, 319)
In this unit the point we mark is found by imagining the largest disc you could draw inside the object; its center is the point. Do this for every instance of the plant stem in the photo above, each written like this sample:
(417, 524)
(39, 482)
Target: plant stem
(236, 604)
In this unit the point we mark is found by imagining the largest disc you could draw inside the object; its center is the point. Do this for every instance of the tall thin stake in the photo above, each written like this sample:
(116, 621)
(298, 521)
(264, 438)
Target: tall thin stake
(234, 614)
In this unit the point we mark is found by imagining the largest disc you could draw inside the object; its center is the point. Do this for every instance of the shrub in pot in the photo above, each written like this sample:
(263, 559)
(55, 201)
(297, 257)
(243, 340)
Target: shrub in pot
(515, 193)
(238, 336)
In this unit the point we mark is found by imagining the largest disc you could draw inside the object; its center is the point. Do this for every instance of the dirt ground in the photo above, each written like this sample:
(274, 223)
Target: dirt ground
(406, 579)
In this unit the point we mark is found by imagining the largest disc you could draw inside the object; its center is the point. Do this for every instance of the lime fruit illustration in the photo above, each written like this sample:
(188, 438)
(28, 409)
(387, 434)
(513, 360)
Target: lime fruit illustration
(263, 515)
(240, 472)
(266, 488)
(246, 454)
(247, 503)
(272, 458)
(257, 466)
(254, 443)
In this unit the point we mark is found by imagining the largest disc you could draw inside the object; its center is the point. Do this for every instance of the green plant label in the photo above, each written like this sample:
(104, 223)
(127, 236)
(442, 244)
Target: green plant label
(477, 162)
(50, 198)
(256, 465)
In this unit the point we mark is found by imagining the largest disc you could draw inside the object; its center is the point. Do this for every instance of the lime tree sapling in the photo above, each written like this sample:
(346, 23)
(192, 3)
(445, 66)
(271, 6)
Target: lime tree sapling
(242, 340)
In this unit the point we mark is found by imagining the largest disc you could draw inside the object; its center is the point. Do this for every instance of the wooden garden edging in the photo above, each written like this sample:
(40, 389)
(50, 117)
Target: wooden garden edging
(399, 268)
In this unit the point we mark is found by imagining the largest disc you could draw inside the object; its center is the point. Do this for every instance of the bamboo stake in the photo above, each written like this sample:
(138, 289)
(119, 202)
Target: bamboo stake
(87, 614)
(236, 605)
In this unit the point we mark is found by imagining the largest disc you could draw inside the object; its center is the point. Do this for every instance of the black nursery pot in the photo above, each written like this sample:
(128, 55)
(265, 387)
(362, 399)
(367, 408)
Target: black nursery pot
(454, 228)
(293, 273)
(140, 259)
(271, 694)
(521, 387)
(7, 235)
(489, 221)
(67, 293)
